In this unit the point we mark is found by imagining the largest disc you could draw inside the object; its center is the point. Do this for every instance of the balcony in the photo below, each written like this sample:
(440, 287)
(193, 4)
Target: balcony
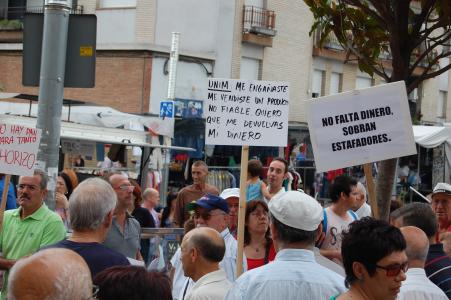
(11, 21)
(258, 26)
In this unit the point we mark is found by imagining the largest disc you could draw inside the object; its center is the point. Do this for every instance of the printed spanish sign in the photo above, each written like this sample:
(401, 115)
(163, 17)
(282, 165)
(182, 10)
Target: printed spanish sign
(77, 146)
(360, 126)
(18, 149)
(246, 112)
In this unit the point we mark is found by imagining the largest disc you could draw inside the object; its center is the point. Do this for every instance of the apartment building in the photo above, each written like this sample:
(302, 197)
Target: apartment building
(250, 39)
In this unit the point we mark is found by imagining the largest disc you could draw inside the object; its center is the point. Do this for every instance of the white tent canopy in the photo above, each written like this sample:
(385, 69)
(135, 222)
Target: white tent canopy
(434, 136)
(102, 116)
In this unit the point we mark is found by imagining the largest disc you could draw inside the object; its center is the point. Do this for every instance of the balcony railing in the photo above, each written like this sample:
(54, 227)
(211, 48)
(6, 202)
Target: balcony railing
(330, 42)
(18, 12)
(259, 21)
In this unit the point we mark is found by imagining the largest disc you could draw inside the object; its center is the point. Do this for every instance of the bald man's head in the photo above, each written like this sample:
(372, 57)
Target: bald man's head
(208, 242)
(50, 275)
(417, 243)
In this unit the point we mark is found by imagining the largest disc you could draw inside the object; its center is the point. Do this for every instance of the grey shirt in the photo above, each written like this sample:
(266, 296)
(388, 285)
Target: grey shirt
(127, 242)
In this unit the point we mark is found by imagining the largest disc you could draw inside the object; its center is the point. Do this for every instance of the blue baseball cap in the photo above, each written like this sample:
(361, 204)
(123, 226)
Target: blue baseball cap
(209, 202)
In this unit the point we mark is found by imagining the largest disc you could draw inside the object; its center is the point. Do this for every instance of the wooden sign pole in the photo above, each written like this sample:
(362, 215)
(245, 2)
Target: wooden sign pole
(371, 189)
(242, 209)
(4, 199)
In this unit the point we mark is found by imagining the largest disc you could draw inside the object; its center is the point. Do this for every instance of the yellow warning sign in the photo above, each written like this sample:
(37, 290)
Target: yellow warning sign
(86, 51)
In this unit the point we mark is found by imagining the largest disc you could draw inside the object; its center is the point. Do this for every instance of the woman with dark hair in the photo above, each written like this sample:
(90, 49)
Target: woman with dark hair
(258, 246)
(132, 283)
(64, 188)
(374, 259)
(168, 216)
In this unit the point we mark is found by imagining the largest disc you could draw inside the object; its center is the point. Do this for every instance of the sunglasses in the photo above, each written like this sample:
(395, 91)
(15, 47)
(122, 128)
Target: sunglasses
(395, 269)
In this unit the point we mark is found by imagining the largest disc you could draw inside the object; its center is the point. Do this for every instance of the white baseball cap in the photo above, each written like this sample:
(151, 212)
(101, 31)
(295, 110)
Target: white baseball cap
(442, 187)
(297, 210)
(232, 192)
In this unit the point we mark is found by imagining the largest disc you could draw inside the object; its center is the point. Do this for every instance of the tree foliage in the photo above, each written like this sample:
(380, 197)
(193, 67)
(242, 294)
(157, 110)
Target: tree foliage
(395, 39)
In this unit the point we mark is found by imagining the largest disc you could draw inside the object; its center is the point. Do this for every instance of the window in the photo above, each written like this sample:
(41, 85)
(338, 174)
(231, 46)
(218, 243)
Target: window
(318, 83)
(336, 82)
(441, 104)
(250, 68)
(363, 82)
(116, 3)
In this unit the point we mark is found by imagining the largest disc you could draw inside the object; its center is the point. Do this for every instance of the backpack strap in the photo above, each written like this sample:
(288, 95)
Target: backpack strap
(353, 214)
(324, 221)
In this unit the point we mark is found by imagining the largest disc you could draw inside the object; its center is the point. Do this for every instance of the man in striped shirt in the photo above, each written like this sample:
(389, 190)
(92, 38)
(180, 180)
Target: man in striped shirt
(438, 264)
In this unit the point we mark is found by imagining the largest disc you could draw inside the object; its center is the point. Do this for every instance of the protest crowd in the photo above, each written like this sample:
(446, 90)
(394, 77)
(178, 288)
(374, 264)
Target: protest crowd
(294, 248)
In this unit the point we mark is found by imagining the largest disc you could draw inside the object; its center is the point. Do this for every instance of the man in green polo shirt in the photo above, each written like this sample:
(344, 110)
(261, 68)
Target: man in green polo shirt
(29, 227)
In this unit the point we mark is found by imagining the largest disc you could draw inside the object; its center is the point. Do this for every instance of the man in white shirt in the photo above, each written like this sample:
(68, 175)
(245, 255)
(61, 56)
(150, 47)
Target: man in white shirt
(361, 208)
(212, 211)
(294, 274)
(338, 216)
(277, 172)
(201, 251)
(417, 286)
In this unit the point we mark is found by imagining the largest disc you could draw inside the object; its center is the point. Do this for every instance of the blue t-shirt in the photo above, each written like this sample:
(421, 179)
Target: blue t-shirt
(97, 256)
(11, 199)
(254, 191)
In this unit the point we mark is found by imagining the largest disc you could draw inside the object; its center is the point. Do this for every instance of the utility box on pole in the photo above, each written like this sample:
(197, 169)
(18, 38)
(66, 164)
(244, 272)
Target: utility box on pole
(81, 50)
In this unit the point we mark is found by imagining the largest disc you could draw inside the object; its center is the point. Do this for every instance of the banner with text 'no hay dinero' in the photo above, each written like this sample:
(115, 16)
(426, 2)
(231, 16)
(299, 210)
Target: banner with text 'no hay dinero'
(18, 149)
(246, 112)
(361, 126)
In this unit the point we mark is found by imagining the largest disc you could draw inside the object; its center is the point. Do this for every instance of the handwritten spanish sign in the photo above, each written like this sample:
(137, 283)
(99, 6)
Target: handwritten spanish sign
(246, 112)
(18, 149)
(360, 126)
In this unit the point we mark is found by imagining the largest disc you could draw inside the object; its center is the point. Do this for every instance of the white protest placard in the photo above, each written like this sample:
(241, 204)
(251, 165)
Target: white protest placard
(360, 126)
(18, 149)
(246, 112)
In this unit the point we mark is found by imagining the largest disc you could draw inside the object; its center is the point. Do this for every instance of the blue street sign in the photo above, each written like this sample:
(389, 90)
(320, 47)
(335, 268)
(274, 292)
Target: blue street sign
(167, 109)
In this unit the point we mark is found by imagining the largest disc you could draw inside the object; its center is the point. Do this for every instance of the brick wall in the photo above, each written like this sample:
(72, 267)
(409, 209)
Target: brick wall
(122, 80)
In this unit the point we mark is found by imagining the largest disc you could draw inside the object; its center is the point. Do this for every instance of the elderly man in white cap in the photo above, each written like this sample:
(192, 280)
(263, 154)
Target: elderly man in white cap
(441, 205)
(232, 196)
(294, 274)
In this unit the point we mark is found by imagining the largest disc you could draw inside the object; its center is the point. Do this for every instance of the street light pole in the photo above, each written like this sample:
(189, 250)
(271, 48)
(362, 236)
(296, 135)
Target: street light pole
(51, 89)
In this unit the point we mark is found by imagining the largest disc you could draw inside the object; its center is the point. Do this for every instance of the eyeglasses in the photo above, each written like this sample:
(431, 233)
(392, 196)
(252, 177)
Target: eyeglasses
(126, 187)
(395, 269)
(21, 187)
(206, 215)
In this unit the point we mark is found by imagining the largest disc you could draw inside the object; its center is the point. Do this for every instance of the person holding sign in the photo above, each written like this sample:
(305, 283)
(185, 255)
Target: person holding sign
(277, 172)
(29, 227)
(295, 222)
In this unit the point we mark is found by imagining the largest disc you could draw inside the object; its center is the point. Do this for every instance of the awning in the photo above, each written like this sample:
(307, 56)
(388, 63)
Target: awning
(84, 132)
(434, 136)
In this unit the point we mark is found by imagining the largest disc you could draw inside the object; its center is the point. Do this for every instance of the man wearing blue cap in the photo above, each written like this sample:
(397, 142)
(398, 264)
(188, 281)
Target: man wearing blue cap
(213, 211)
